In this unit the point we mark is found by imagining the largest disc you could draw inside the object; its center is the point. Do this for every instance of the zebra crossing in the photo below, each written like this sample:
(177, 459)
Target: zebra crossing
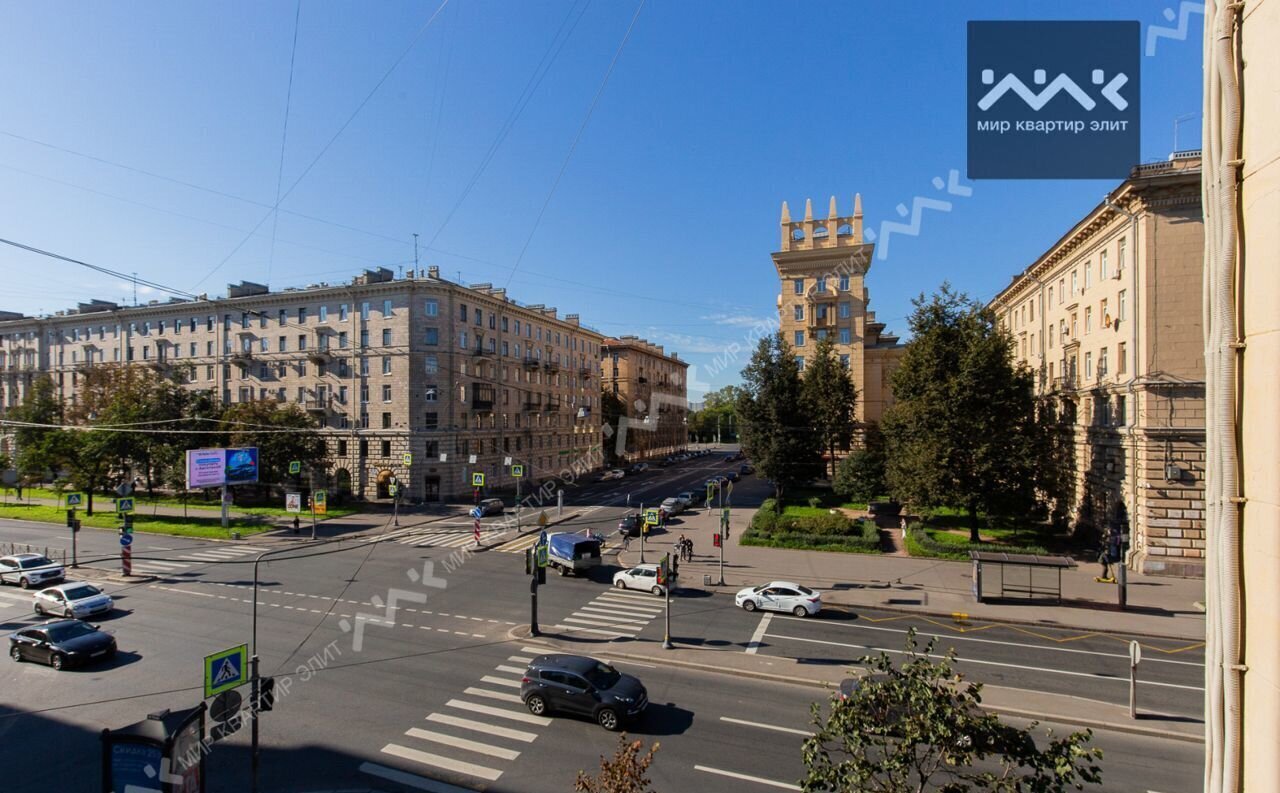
(519, 544)
(613, 614)
(452, 539)
(472, 737)
(195, 557)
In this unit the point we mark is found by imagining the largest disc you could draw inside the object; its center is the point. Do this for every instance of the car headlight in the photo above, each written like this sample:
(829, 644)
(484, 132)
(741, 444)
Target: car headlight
(627, 700)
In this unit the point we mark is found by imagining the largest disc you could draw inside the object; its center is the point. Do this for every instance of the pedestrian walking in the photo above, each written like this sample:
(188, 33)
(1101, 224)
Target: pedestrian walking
(295, 524)
(688, 550)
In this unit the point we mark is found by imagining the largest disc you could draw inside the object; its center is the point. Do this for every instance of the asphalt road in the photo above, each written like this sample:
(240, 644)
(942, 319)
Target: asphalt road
(395, 670)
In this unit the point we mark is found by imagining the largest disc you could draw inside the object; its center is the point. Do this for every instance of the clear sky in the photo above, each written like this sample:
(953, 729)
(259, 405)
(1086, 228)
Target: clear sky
(146, 137)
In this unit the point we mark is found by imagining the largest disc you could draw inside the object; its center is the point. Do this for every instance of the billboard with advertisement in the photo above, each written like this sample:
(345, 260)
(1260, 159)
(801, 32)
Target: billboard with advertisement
(218, 467)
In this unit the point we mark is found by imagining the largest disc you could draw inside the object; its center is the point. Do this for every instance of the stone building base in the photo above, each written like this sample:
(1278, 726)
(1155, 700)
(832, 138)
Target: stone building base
(1181, 566)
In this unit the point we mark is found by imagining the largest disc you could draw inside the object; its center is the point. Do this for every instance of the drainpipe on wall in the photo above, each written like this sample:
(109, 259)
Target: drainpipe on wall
(1131, 409)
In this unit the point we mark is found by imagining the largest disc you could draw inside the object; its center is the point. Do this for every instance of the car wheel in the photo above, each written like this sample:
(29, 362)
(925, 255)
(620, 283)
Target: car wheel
(620, 584)
(24, 583)
(748, 605)
(57, 661)
(536, 704)
(800, 611)
(39, 609)
(657, 590)
(15, 652)
(563, 570)
(608, 718)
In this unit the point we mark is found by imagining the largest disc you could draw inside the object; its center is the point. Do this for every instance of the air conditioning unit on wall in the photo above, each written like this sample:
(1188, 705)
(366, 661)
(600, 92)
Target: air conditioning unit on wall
(1172, 472)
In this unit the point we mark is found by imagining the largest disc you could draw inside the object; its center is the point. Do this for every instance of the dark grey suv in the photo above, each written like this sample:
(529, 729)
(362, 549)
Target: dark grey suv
(583, 686)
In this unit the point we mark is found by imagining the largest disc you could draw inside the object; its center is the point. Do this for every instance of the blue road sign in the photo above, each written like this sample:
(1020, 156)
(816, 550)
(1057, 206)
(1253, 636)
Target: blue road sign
(126, 540)
(226, 670)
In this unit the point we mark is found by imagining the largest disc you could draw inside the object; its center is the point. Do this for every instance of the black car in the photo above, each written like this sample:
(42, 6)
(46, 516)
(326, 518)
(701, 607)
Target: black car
(62, 643)
(630, 525)
(732, 476)
(584, 686)
(746, 468)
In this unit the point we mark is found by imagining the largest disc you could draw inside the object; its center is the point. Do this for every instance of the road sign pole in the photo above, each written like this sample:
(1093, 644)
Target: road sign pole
(126, 560)
(559, 503)
(1135, 656)
(253, 711)
(518, 478)
(644, 530)
(75, 524)
(724, 536)
(533, 593)
(666, 634)
(226, 517)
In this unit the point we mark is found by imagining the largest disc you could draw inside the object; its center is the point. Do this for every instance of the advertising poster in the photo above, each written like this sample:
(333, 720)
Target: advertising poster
(242, 466)
(205, 468)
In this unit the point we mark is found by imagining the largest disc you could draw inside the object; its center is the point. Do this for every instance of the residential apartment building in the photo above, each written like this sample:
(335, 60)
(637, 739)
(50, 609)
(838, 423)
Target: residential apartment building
(1110, 318)
(822, 266)
(459, 377)
(650, 384)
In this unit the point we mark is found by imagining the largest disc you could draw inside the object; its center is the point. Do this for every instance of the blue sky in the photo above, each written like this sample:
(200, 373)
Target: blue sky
(666, 212)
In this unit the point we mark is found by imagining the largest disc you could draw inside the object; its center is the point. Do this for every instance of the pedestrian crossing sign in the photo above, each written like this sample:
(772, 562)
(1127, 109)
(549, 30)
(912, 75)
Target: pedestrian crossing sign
(226, 670)
(75, 499)
(517, 471)
(124, 505)
(477, 480)
(651, 517)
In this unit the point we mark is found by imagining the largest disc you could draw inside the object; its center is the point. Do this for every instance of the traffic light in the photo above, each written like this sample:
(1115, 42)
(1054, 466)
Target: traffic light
(662, 572)
(128, 522)
(715, 539)
(266, 694)
(542, 575)
(528, 561)
(71, 520)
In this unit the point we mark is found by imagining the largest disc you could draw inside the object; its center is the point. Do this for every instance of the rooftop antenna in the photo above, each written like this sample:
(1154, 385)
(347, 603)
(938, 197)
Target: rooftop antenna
(1176, 122)
(415, 251)
(135, 289)
(459, 276)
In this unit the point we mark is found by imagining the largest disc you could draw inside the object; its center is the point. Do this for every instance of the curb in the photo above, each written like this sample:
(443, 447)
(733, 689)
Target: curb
(520, 633)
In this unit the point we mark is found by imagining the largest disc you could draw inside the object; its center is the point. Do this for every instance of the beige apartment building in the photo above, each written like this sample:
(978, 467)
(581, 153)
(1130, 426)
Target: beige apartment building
(822, 266)
(1109, 317)
(651, 385)
(458, 377)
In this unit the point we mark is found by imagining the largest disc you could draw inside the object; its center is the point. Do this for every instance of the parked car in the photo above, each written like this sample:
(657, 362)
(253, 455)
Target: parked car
(687, 498)
(573, 552)
(638, 468)
(746, 468)
(643, 577)
(62, 643)
(664, 462)
(629, 525)
(780, 596)
(29, 569)
(671, 506)
(613, 473)
(489, 506)
(581, 685)
(732, 476)
(73, 599)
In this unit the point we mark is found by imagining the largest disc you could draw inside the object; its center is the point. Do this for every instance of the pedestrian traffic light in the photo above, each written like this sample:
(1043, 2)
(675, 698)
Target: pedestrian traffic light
(662, 571)
(542, 575)
(128, 522)
(266, 694)
(71, 519)
(528, 561)
(715, 539)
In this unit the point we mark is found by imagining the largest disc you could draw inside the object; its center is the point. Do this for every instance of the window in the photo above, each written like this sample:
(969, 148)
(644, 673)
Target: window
(479, 317)
(1051, 295)
(1031, 304)
(844, 361)
(1102, 362)
(302, 316)
(1075, 326)
(282, 316)
(386, 393)
(430, 395)
(1033, 344)
(797, 285)
(1088, 365)
(821, 285)
(1062, 290)
(386, 448)
(386, 337)
(1088, 274)
(799, 338)
(1122, 418)
(1122, 358)
(1102, 265)
(324, 314)
(386, 308)
(364, 394)
(342, 339)
(1075, 283)
(364, 448)
(1120, 305)
(283, 343)
(800, 363)
(302, 341)
(1088, 319)
(342, 312)
(431, 421)
(386, 364)
(1120, 256)
(431, 337)
(364, 338)
(364, 310)
(798, 312)
(386, 425)
(844, 283)
(845, 336)
(432, 364)
(845, 310)
(342, 394)
(342, 448)
(822, 334)
(364, 366)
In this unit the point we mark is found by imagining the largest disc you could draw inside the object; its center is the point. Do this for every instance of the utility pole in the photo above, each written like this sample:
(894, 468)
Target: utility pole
(644, 531)
(666, 590)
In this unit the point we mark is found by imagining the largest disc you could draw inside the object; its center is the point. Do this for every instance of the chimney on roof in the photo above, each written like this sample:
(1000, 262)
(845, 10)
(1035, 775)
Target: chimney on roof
(433, 272)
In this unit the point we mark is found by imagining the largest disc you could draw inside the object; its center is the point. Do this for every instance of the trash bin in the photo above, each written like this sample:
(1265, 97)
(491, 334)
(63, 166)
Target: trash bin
(706, 580)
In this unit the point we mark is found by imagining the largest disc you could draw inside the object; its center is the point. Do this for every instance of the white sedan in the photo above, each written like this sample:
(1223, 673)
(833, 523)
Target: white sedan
(642, 576)
(74, 600)
(780, 596)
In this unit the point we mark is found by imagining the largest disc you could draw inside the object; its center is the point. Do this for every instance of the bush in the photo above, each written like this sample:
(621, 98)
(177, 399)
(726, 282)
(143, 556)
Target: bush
(815, 502)
(921, 541)
(830, 533)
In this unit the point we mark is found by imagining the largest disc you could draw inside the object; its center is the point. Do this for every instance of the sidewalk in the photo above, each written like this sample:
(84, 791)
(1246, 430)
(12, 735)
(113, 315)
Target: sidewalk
(1014, 702)
(1157, 606)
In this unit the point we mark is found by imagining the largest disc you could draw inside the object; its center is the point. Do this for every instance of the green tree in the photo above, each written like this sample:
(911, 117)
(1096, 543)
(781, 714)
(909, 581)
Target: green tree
(39, 446)
(919, 726)
(626, 772)
(282, 432)
(861, 475)
(717, 418)
(773, 424)
(963, 429)
(829, 398)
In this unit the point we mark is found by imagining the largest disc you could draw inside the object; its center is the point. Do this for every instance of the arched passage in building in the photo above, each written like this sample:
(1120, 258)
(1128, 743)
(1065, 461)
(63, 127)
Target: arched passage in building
(384, 483)
(342, 483)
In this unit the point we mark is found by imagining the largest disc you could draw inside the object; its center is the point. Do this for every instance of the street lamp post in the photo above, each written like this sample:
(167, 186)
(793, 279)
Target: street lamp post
(253, 675)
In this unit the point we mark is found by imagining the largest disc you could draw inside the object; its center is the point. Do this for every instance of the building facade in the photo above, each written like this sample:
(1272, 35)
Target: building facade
(651, 386)
(822, 266)
(1110, 319)
(458, 377)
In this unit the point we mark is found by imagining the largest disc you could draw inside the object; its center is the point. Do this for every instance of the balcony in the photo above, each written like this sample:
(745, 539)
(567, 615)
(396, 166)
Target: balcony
(826, 296)
(532, 407)
(1065, 383)
(242, 357)
(482, 405)
(585, 371)
(319, 356)
(530, 362)
(550, 407)
(318, 405)
(551, 366)
(480, 352)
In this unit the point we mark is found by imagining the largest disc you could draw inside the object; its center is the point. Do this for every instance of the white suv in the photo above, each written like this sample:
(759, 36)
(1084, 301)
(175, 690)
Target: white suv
(29, 569)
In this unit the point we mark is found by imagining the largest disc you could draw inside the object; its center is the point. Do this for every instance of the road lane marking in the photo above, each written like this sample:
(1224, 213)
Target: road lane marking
(745, 777)
(440, 761)
(758, 636)
(502, 713)
(1093, 675)
(26, 599)
(501, 681)
(183, 591)
(463, 743)
(411, 780)
(651, 607)
(520, 659)
(774, 727)
(480, 726)
(513, 669)
(580, 629)
(502, 696)
(950, 637)
(608, 623)
(624, 595)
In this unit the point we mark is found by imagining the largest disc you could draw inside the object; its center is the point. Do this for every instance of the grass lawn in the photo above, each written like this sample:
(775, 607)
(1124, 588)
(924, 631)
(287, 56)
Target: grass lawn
(799, 499)
(196, 526)
(142, 502)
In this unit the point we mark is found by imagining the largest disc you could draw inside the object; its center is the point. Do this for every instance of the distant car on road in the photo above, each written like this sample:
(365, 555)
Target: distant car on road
(613, 473)
(29, 569)
(780, 596)
(746, 468)
(672, 506)
(73, 599)
(687, 497)
(732, 476)
(643, 577)
(629, 525)
(585, 686)
(62, 644)
(489, 506)
(638, 468)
